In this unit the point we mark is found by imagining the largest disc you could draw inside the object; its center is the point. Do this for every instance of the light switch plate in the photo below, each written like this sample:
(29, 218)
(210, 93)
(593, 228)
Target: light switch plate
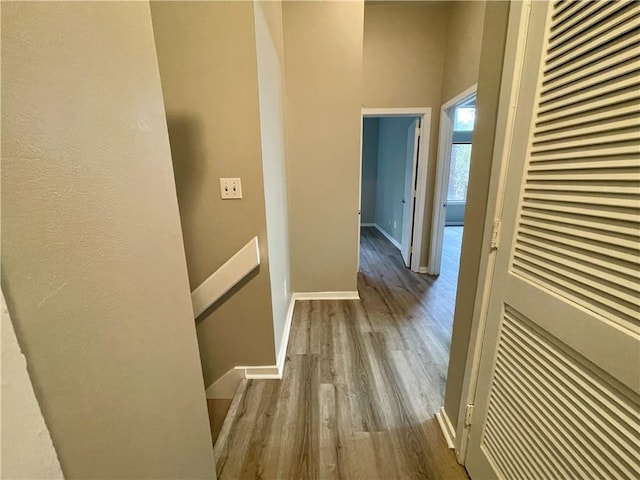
(230, 188)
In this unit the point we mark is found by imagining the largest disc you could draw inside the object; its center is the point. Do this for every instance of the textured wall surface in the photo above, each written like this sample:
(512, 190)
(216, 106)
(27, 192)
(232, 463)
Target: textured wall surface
(208, 65)
(93, 266)
(464, 40)
(323, 65)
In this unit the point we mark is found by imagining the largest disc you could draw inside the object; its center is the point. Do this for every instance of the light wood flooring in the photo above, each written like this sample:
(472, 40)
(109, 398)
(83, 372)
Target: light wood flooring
(362, 382)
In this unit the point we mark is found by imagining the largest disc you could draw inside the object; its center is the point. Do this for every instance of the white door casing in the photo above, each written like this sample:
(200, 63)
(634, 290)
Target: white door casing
(443, 166)
(408, 205)
(558, 391)
(422, 168)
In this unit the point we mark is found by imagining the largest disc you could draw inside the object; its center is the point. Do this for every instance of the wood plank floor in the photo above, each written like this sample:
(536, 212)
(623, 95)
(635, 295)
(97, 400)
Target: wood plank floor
(362, 382)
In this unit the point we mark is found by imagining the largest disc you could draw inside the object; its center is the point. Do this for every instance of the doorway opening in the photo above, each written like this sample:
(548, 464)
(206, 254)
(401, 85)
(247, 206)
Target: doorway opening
(452, 177)
(394, 145)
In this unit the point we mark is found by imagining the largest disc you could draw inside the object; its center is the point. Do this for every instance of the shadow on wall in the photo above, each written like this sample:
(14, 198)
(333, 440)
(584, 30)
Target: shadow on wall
(189, 165)
(237, 287)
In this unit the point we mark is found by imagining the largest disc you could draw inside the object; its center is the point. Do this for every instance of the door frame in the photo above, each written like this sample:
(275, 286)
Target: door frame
(513, 64)
(443, 165)
(424, 113)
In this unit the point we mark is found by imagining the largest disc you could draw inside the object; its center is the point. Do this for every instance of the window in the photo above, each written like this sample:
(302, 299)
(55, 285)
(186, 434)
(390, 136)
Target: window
(463, 119)
(459, 172)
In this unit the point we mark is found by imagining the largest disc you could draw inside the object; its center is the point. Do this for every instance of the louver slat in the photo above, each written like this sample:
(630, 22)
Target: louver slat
(601, 34)
(587, 18)
(594, 106)
(549, 416)
(564, 11)
(597, 60)
(581, 201)
(604, 89)
(611, 113)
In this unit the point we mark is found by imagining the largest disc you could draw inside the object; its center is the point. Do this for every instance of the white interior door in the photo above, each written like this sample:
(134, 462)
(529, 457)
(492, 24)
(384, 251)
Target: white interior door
(559, 378)
(408, 206)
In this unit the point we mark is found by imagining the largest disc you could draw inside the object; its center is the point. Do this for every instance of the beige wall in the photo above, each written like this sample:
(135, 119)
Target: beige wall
(403, 66)
(323, 65)
(490, 74)
(208, 66)
(464, 40)
(269, 43)
(93, 267)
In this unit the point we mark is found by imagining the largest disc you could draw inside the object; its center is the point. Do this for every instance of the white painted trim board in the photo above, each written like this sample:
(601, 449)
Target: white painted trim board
(226, 385)
(395, 112)
(346, 295)
(282, 354)
(422, 173)
(243, 262)
(447, 429)
(388, 236)
(443, 162)
(421, 190)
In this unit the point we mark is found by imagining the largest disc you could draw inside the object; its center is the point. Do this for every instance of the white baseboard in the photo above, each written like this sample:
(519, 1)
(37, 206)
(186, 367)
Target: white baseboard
(446, 427)
(423, 270)
(345, 295)
(389, 237)
(367, 224)
(226, 385)
(262, 372)
(243, 262)
(282, 354)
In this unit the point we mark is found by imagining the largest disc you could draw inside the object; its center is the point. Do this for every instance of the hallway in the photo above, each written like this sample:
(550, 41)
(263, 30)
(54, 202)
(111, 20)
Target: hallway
(363, 380)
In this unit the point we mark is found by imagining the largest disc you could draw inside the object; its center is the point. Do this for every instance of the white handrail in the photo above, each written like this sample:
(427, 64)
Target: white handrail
(226, 277)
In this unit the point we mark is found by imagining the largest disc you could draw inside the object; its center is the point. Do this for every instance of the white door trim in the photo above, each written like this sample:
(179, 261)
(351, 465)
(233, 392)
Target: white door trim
(423, 163)
(509, 89)
(443, 164)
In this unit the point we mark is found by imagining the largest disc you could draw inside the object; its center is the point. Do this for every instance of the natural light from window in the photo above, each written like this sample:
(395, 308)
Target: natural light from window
(459, 173)
(463, 120)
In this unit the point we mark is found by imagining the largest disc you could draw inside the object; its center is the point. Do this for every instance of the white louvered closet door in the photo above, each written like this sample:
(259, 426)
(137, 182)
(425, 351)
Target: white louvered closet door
(559, 379)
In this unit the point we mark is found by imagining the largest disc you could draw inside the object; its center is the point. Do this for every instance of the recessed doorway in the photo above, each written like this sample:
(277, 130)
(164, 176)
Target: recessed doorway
(452, 174)
(393, 177)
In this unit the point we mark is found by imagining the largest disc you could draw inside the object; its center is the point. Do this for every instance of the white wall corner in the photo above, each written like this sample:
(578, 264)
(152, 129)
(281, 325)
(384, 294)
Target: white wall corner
(282, 354)
(446, 427)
